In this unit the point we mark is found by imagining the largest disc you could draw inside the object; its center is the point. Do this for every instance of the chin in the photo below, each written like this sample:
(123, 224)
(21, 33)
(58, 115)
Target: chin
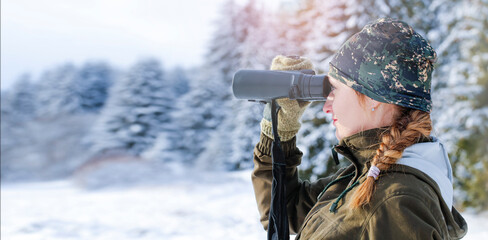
(337, 136)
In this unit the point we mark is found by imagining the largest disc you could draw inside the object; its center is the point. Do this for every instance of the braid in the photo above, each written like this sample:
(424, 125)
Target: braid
(409, 126)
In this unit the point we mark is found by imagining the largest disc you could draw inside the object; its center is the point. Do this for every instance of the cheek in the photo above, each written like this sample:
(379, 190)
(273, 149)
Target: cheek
(352, 116)
(345, 107)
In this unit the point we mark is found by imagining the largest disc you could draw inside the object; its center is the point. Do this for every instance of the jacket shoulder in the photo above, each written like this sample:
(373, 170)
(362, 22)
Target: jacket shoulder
(404, 180)
(407, 198)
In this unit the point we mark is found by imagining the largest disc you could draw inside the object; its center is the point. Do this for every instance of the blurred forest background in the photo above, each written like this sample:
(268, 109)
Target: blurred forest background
(99, 124)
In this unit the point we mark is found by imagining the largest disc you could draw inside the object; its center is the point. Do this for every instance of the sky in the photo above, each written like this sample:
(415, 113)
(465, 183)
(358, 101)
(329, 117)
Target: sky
(37, 35)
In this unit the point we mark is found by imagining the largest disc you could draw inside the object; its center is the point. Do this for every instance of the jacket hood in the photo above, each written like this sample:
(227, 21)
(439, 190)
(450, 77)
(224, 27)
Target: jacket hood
(431, 158)
(429, 162)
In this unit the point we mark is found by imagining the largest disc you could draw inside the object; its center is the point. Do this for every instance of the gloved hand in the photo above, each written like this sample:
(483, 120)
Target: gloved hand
(290, 111)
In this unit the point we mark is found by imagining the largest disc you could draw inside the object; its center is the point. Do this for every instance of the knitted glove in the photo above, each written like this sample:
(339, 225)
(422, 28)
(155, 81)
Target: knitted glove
(290, 111)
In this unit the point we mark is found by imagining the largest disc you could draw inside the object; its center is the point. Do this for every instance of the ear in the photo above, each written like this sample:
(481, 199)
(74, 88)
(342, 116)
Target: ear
(371, 103)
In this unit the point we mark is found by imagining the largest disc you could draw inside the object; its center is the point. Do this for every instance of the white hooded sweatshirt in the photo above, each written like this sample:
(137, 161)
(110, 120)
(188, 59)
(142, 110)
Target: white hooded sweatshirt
(431, 158)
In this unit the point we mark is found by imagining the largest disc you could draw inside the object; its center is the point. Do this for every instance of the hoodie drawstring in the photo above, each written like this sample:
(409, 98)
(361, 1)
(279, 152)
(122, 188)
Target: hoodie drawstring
(333, 207)
(333, 182)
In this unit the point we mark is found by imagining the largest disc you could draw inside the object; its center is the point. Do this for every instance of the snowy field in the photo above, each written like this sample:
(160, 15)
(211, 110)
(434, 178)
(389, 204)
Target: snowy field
(210, 206)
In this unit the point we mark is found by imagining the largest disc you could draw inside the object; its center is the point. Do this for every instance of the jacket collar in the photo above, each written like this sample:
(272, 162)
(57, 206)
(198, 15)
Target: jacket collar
(361, 147)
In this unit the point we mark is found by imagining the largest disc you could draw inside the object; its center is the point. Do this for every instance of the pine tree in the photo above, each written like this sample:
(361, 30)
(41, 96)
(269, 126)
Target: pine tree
(201, 110)
(263, 37)
(197, 114)
(260, 32)
(43, 147)
(23, 100)
(224, 51)
(7, 127)
(173, 145)
(92, 84)
(333, 22)
(216, 153)
(245, 52)
(138, 109)
(57, 92)
(466, 106)
(179, 81)
(295, 24)
(229, 147)
(270, 37)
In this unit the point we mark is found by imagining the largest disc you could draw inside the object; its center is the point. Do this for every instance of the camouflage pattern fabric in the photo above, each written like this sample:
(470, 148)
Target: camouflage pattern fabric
(388, 62)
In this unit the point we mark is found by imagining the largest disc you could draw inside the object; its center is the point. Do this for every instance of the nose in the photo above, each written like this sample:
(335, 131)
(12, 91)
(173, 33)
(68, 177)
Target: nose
(327, 106)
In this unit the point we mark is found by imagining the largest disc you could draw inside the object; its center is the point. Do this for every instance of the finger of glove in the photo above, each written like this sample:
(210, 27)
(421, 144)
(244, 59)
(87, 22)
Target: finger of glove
(290, 106)
(303, 104)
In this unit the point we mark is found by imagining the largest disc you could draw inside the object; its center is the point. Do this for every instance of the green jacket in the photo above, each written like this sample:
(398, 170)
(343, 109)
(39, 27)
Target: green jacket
(406, 204)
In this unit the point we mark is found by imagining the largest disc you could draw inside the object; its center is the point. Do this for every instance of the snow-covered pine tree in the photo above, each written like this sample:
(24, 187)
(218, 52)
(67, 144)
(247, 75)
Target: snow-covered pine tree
(295, 25)
(271, 33)
(420, 14)
(463, 115)
(137, 111)
(7, 130)
(196, 115)
(93, 81)
(230, 146)
(245, 134)
(56, 93)
(179, 81)
(330, 23)
(226, 57)
(261, 39)
(44, 147)
(224, 52)
(22, 99)
(170, 145)
(18, 108)
(216, 152)
(208, 102)
(231, 39)
(6, 109)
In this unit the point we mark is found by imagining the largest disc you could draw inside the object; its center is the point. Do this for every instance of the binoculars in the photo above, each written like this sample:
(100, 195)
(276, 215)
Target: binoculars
(266, 85)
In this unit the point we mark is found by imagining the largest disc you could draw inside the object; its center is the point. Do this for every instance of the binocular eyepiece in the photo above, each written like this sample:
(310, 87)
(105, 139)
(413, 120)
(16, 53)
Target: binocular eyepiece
(266, 85)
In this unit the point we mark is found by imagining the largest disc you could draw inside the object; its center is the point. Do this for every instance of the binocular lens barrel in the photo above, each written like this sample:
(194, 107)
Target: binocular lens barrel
(265, 85)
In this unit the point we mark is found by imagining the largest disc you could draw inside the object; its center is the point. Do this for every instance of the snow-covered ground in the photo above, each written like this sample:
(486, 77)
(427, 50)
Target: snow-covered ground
(200, 206)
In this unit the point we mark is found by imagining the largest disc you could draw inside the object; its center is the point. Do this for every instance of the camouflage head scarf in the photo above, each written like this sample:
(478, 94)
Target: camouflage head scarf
(388, 62)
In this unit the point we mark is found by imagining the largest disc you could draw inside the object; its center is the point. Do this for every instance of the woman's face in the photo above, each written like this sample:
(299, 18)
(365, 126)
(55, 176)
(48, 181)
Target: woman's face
(350, 116)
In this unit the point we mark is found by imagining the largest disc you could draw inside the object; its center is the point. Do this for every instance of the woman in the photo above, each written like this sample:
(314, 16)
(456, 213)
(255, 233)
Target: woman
(399, 182)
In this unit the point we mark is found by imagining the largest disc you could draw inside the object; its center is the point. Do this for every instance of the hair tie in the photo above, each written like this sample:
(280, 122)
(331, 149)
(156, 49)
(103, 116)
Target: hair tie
(374, 172)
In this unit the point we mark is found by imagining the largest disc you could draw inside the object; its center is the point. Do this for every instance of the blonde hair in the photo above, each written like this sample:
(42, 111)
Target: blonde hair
(408, 127)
